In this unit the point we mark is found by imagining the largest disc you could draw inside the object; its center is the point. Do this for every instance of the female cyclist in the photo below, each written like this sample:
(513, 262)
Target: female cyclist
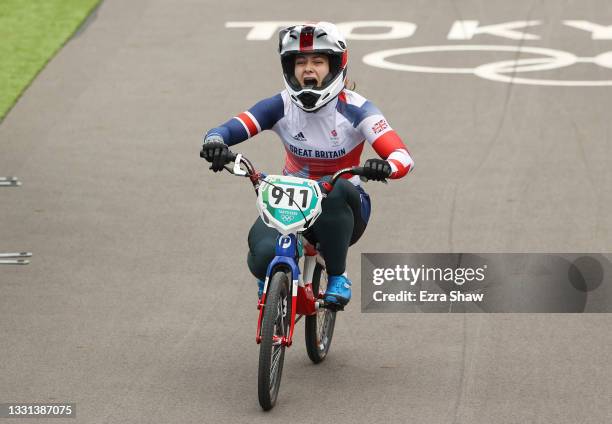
(323, 127)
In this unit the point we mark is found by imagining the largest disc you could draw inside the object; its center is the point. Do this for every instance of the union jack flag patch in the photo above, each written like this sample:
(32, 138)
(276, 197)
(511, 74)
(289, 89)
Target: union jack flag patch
(380, 126)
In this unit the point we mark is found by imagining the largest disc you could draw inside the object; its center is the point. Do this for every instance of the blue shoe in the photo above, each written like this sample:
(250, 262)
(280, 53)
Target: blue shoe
(338, 290)
(260, 287)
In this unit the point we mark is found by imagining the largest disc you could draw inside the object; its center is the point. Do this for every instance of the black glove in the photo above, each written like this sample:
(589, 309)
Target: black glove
(376, 169)
(215, 151)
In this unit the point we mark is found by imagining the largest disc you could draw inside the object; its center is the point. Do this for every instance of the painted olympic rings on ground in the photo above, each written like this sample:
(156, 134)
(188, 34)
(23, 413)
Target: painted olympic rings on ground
(502, 71)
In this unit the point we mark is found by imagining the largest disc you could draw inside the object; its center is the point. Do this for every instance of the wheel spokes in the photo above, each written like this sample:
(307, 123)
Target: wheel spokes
(280, 331)
(276, 355)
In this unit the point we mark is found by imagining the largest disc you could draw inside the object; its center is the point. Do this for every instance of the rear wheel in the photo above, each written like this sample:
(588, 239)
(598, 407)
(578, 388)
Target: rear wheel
(274, 326)
(319, 327)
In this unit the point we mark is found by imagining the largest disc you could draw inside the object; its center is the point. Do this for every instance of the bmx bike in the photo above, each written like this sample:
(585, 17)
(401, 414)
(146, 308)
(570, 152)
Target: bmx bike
(290, 205)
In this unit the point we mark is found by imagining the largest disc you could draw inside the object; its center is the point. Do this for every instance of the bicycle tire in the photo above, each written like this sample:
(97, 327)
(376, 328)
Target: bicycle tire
(275, 322)
(319, 327)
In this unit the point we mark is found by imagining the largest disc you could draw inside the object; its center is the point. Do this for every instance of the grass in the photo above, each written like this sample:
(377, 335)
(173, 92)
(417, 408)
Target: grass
(31, 32)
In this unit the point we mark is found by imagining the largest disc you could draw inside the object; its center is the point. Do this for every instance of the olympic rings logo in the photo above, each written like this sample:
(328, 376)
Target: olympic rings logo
(286, 218)
(503, 71)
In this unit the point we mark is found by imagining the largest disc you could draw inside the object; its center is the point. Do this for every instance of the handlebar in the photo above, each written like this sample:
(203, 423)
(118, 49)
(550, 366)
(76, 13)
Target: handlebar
(328, 186)
(255, 176)
(354, 170)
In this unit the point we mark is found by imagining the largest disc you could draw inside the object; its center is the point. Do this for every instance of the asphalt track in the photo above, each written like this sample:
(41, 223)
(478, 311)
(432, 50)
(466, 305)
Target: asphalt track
(138, 306)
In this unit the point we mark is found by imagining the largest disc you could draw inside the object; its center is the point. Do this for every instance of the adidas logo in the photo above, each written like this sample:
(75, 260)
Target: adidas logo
(299, 137)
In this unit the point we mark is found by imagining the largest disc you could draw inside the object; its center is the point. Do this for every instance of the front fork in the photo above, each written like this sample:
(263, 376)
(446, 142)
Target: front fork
(289, 250)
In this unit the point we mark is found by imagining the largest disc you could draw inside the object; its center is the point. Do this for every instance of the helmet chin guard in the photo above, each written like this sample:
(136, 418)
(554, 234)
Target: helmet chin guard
(308, 98)
(321, 38)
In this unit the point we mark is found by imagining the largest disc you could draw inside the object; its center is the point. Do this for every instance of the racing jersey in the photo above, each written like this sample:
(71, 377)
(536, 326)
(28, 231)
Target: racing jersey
(322, 142)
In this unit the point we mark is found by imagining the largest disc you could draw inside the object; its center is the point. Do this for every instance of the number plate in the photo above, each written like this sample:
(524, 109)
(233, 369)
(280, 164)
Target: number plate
(288, 203)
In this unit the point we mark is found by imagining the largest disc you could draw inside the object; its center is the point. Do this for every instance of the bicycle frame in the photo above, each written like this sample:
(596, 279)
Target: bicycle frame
(303, 300)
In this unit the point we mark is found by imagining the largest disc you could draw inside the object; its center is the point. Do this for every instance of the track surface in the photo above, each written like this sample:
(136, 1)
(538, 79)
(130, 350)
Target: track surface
(138, 305)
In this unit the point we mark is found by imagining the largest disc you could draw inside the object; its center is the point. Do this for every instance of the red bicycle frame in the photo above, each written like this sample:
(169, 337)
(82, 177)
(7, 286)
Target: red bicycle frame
(303, 300)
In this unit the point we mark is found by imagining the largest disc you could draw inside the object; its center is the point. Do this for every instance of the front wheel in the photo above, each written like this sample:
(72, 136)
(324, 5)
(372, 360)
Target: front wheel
(274, 326)
(319, 327)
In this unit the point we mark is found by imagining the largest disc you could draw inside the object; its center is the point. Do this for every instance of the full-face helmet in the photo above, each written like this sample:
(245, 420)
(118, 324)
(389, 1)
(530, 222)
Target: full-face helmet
(322, 38)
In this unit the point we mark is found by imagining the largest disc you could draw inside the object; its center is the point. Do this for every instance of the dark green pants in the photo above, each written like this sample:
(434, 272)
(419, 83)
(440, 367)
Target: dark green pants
(345, 214)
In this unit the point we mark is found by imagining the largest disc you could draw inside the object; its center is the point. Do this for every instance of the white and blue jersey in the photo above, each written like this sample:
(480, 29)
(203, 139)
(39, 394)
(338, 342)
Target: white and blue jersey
(320, 143)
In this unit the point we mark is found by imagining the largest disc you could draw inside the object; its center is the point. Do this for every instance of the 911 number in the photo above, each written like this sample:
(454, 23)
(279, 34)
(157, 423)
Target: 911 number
(284, 196)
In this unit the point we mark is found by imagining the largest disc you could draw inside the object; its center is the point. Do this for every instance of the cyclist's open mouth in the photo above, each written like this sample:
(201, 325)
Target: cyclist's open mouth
(310, 82)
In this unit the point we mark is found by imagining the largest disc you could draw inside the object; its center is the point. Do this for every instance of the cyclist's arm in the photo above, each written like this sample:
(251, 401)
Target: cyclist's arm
(245, 125)
(385, 141)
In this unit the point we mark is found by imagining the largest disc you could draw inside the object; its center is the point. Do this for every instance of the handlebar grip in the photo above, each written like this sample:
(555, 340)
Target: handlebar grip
(357, 170)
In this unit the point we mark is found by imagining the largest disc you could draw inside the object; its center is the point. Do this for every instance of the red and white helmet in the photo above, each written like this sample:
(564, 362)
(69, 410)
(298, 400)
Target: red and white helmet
(322, 38)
